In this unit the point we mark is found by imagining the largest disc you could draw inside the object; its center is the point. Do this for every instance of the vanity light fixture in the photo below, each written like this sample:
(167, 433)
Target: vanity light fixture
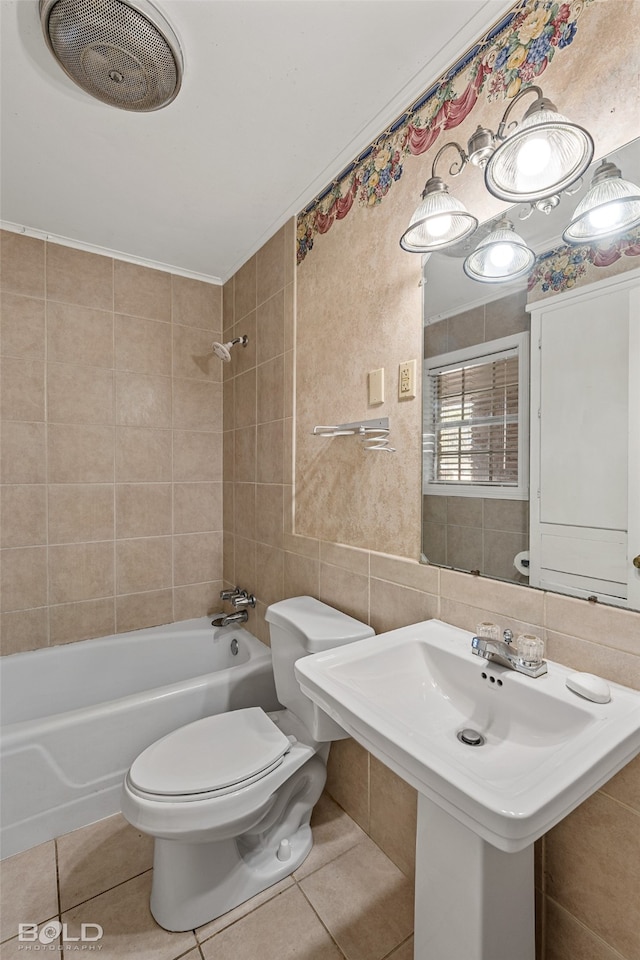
(545, 153)
(501, 256)
(611, 206)
(440, 219)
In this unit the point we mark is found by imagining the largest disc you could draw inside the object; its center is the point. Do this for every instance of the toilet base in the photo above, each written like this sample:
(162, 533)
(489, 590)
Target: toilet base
(194, 883)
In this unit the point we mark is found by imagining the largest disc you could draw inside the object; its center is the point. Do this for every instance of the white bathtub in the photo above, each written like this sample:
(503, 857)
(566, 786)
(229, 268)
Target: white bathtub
(74, 717)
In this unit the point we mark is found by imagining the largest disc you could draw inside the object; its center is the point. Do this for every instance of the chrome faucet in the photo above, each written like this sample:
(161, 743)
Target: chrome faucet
(229, 619)
(527, 658)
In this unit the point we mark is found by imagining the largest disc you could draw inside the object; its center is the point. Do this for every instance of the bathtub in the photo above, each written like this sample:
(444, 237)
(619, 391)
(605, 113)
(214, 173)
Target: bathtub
(74, 717)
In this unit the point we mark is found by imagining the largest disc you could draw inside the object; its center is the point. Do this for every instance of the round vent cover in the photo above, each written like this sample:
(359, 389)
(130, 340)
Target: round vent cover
(122, 53)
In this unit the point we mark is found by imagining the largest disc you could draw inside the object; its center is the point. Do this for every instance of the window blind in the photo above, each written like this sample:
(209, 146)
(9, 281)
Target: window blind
(475, 421)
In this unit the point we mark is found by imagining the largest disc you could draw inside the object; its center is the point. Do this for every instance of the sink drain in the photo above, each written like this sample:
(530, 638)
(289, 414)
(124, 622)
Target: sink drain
(471, 737)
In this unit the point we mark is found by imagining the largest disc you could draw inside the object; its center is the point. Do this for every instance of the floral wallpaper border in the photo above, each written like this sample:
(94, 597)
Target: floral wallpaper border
(512, 55)
(565, 267)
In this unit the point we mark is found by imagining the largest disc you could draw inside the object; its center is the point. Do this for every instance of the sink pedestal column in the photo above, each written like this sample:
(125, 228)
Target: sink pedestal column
(473, 901)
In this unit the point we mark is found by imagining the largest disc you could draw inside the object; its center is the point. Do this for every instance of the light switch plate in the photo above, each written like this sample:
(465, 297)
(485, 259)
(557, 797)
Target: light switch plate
(376, 386)
(407, 380)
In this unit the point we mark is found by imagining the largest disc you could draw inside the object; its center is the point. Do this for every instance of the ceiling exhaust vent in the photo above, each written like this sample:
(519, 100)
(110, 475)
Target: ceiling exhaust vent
(123, 53)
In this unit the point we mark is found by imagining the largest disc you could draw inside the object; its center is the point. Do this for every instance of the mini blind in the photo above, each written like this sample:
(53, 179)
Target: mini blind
(475, 421)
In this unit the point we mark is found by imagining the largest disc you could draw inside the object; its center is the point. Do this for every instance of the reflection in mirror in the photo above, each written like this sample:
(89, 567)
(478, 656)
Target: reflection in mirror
(556, 515)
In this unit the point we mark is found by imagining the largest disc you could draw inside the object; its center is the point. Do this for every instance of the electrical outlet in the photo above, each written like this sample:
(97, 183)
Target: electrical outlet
(407, 380)
(376, 386)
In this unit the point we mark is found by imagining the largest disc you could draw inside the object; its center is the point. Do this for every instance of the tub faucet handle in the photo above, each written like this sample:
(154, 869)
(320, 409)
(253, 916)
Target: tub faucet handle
(230, 594)
(243, 599)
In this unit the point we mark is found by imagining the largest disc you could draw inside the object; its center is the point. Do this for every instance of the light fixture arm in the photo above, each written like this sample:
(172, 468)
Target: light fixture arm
(456, 167)
(500, 135)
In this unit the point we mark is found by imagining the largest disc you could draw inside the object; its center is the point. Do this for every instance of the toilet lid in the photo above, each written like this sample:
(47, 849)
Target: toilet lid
(210, 754)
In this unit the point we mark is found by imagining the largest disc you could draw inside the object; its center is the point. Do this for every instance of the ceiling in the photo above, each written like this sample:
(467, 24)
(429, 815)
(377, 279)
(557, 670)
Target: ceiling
(278, 96)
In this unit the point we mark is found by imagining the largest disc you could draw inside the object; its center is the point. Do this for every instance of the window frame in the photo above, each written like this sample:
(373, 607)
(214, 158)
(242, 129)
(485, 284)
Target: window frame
(477, 353)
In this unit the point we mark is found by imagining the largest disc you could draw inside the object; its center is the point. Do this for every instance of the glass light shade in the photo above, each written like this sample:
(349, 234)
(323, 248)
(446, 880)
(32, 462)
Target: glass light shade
(610, 207)
(503, 255)
(545, 155)
(439, 221)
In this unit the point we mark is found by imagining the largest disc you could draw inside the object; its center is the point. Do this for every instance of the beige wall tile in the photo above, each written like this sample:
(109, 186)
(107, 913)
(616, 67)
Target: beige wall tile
(228, 506)
(229, 558)
(78, 394)
(245, 298)
(100, 856)
(138, 610)
(197, 304)
(270, 403)
(605, 899)
(334, 832)
(80, 512)
(269, 452)
(197, 507)
(244, 498)
(23, 515)
(228, 404)
(245, 562)
(269, 524)
(567, 939)
(468, 617)
(141, 291)
(408, 573)
(22, 327)
(197, 405)
(393, 816)
(143, 401)
(143, 565)
(193, 356)
(289, 316)
(80, 621)
(289, 249)
(24, 577)
(197, 558)
(197, 600)
(22, 630)
(23, 449)
(228, 312)
(345, 590)
(80, 571)
(348, 779)
(245, 399)
(269, 583)
(520, 603)
(143, 510)
(270, 327)
(625, 786)
(244, 358)
(365, 902)
(75, 276)
(28, 893)
(301, 577)
(143, 453)
(229, 456)
(197, 456)
(593, 621)
(270, 268)
(80, 453)
(394, 606)
(245, 455)
(22, 264)
(303, 546)
(340, 555)
(615, 665)
(143, 346)
(79, 335)
(21, 389)
(126, 908)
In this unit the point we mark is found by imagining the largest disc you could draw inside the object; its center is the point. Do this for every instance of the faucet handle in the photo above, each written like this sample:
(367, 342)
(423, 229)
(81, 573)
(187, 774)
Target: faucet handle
(530, 648)
(230, 594)
(243, 599)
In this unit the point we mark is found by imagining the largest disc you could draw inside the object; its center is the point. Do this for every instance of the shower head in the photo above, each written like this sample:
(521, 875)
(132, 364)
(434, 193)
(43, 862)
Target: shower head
(223, 350)
(122, 52)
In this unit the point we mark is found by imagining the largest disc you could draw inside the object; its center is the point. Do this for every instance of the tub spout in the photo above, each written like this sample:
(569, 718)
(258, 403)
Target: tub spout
(229, 619)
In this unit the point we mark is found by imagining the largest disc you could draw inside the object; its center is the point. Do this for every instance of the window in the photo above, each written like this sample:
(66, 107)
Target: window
(475, 441)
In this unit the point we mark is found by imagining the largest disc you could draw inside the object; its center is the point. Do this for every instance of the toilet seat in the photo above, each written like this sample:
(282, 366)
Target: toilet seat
(210, 757)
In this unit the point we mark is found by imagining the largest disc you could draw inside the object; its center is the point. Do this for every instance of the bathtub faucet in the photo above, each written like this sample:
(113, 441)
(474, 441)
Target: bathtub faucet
(229, 619)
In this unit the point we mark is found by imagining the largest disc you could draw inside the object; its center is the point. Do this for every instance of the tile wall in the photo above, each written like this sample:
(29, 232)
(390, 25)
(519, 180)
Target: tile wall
(111, 445)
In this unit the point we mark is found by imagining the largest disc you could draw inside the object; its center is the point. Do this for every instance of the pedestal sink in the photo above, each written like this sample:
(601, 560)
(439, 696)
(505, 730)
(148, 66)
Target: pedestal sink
(406, 695)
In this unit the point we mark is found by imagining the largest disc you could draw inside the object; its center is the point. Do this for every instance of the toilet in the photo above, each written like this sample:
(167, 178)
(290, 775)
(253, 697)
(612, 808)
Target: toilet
(228, 798)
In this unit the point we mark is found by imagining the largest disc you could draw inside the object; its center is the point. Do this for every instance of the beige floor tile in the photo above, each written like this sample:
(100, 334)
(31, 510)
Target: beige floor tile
(404, 952)
(334, 832)
(210, 929)
(567, 939)
(100, 856)
(365, 902)
(285, 928)
(20, 950)
(130, 932)
(28, 893)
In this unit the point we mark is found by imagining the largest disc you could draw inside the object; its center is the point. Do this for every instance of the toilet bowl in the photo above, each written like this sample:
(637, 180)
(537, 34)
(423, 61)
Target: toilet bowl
(228, 798)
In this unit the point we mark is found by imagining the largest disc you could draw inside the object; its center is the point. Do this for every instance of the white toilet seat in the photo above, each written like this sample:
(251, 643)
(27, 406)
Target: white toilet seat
(210, 757)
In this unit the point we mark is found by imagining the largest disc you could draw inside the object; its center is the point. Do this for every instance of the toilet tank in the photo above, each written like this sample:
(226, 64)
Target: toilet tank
(298, 627)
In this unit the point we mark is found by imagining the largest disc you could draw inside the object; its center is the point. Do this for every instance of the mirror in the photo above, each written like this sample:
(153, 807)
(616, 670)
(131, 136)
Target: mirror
(481, 512)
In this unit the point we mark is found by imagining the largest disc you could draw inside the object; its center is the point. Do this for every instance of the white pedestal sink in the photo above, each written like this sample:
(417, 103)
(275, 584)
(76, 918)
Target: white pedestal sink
(405, 695)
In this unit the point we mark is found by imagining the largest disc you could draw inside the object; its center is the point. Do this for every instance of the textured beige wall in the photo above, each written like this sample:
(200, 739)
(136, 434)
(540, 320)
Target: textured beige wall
(111, 445)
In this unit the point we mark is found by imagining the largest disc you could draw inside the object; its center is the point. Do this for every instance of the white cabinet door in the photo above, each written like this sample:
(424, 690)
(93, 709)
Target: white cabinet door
(585, 451)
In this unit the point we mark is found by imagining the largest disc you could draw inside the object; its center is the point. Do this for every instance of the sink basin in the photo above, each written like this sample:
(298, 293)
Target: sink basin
(406, 694)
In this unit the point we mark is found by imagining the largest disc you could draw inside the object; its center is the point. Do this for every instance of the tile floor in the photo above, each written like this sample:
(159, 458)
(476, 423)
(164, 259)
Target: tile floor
(347, 901)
